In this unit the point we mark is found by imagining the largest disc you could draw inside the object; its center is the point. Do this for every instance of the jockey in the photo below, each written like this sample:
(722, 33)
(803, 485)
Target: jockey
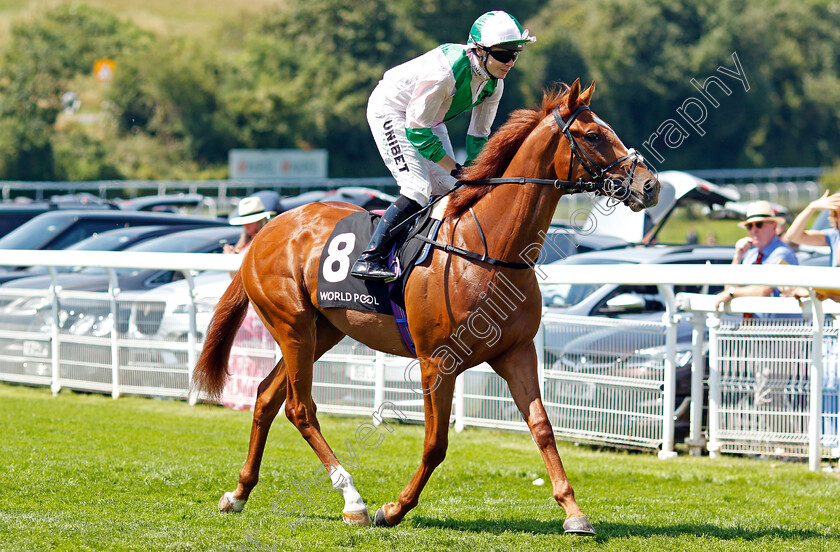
(407, 111)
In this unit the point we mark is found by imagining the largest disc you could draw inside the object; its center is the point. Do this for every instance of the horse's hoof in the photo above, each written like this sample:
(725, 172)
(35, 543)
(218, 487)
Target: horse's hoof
(360, 518)
(379, 519)
(579, 526)
(229, 504)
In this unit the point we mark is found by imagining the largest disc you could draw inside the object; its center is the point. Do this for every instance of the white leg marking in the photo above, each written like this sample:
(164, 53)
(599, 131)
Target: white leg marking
(343, 483)
(230, 504)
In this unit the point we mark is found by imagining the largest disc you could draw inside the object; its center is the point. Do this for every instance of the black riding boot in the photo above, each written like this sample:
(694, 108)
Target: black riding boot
(373, 262)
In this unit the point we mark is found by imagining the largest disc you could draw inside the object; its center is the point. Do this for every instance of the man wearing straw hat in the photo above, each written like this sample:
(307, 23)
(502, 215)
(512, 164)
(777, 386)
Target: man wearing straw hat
(761, 246)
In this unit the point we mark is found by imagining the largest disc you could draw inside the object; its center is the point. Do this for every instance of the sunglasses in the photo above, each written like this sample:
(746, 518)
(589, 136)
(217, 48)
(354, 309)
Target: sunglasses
(758, 225)
(504, 56)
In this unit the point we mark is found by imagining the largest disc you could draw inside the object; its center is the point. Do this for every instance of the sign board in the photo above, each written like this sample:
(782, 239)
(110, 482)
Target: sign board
(103, 70)
(280, 163)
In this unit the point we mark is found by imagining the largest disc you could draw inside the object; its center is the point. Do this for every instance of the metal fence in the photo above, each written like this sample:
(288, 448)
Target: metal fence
(762, 381)
(773, 383)
(596, 394)
(763, 368)
(146, 352)
(793, 186)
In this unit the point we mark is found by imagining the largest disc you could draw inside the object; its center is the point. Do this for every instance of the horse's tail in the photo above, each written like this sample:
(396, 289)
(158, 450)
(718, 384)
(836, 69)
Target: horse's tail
(211, 369)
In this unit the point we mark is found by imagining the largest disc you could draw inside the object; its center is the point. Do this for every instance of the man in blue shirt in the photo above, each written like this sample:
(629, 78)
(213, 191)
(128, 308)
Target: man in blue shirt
(762, 246)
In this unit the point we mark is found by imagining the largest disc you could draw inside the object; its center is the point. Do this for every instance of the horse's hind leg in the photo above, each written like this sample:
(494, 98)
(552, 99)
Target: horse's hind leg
(270, 396)
(518, 367)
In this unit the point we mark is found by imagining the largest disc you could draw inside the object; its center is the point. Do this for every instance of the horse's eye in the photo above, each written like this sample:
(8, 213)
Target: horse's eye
(593, 136)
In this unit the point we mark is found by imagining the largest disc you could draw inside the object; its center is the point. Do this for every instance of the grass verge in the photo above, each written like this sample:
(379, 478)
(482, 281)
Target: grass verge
(85, 472)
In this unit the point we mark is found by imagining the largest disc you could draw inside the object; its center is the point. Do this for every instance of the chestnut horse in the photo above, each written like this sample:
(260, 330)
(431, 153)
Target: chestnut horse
(279, 275)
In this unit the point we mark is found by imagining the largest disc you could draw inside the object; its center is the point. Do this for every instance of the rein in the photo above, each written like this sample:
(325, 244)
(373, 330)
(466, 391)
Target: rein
(591, 166)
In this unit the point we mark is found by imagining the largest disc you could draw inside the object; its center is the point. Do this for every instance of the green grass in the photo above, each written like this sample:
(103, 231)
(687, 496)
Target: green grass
(86, 472)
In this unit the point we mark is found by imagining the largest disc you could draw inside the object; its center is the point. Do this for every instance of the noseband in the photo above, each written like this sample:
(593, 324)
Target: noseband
(591, 166)
(596, 171)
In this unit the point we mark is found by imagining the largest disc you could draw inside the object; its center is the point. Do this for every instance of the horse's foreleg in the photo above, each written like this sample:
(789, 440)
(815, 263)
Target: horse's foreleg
(518, 367)
(438, 406)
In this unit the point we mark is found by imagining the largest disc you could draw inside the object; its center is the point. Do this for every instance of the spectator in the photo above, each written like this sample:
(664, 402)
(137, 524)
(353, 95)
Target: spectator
(252, 215)
(691, 237)
(762, 246)
(831, 352)
(831, 237)
(711, 238)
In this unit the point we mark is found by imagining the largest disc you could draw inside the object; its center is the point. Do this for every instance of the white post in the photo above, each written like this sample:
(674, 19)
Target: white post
(698, 369)
(55, 334)
(670, 384)
(113, 292)
(713, 323)
(460, 414)
(539, 345)
(815, 426)
(379, 383)
(192, 336)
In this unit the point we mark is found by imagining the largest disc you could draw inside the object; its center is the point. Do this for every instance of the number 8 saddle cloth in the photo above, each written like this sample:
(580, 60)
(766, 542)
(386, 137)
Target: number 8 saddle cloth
(338, 289)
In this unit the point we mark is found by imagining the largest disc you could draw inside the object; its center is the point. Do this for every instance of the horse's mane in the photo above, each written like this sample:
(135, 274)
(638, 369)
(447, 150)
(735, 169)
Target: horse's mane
(498, 152)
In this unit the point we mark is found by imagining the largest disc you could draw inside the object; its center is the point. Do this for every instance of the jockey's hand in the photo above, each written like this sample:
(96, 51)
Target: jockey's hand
(456, 172)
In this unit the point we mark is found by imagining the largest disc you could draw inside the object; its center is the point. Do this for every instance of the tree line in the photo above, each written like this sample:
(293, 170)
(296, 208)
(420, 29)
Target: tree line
(690, 83)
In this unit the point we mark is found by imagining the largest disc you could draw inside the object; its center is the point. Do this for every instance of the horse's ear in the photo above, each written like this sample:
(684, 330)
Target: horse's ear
(573, 95)
(586, 95)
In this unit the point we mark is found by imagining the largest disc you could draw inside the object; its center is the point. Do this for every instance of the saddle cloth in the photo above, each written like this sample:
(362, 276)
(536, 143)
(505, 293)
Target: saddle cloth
(337, 288)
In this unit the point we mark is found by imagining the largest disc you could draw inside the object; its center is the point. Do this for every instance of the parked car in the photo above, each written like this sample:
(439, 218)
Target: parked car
(163, 316)
(196, 240)
(563, 241)
(60, 229)
(166, 203)
(737, 210)
(82, 317)
(635, 348)
(287, 203)
(677, 189)
(15, 213)
(112, 240)
(367, 198)
(270, 199)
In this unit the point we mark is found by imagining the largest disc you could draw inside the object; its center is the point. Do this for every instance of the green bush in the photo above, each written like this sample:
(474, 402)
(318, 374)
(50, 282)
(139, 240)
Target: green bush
(81, 156)
(300, 76)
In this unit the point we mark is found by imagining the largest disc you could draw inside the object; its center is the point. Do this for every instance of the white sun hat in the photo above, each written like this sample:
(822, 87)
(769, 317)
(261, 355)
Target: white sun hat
(250, 209)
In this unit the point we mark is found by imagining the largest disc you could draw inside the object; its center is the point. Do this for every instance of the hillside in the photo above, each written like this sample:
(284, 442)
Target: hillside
(184, 17)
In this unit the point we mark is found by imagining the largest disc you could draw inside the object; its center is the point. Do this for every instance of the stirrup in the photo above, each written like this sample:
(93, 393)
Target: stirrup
(373, 269)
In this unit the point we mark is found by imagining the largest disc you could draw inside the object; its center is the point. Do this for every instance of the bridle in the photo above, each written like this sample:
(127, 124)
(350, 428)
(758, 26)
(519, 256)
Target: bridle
(591, 166)
(597, 172)
(599, 183)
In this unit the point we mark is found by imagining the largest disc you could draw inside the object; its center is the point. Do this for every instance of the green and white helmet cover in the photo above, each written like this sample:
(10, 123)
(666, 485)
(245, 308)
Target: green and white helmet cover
(498, 28)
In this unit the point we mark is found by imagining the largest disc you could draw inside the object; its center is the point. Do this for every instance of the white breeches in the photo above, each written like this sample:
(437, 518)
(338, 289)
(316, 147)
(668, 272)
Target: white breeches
(417, 177)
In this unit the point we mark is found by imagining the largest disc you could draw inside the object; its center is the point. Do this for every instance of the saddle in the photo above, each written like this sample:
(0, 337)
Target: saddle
(338, 289)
